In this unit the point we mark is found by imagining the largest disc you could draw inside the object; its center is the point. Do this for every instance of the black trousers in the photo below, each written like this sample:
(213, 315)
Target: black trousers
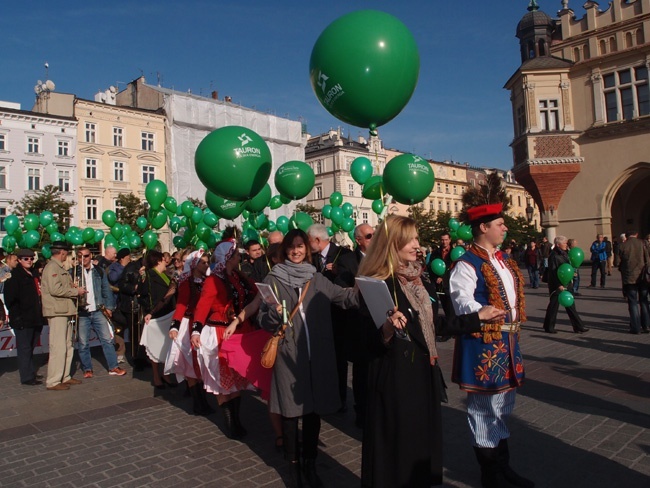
(595, 266)
(310, 433)
(341, 358)
(26, 340)
(551, 315)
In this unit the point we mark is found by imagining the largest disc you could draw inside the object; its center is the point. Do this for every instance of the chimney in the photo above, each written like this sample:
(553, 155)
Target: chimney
(215, 95)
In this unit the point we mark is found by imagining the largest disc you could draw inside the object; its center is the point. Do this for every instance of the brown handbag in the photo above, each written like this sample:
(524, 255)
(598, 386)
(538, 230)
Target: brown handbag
(270, 350)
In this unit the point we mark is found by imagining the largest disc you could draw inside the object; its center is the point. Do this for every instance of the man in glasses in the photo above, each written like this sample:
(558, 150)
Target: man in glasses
(59, 296)
(91, 316)
(355, 323)
(23, 300)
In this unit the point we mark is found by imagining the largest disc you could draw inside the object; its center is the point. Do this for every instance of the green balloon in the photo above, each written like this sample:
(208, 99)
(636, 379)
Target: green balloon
(438, 267)
(260, 222)
(116, 231)
(249, 234)
(301, 220)
(454, 224)
(150, 239)
(565, 298)
(408, 178)
(212, 240)
(347, 225)
(271, 227)
(233, 162)
(378, 206)
(31, 222)
(197, 215)
(141, 222)
(46, 218)
(31, 238)
(156, 193)
(336, 215)
(282, 223)
(348, 209)
(210, 219)
(374, 188)
(109, 218)
(361, 170)
(457, 252)
(179, 242)
(565, 273)
(52, 227)
(336, 199)
(88, 234)
(203, 231)
(99, 235)
(276, 202)
(245, 214)
(46, 251)
(57, 236)
(335, 227)
(260, 201)
(330, 232)
(464, 232)
(158, 218)
(171, 204)
(326, 211)
(135, 241)
(174, 224)
(576, 256)
(109, 240)
(294, 179)
(226, 209)
(9, 243)
(187, 208)
(364, 68)
(284, 199)
(11, 224)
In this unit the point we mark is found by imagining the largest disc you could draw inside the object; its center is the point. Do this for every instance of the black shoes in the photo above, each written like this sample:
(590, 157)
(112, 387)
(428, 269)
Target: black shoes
(33, 382)
(581, 331)
(309, 472)
(553, 331)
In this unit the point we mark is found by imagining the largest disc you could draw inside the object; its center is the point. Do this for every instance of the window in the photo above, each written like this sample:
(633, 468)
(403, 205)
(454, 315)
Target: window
(626, 94)
(3, 142)
(439, 188)
(91, 169)
(64, 180)
(147, 141)
(364, 217)
(91, 209)
(448, 207)
(117, 207)
(3, 177)
(351, 189)
(519, 200)
(431, 207)
(455, 190)
(440, 205)
(33, 145)
(33, 179)
(118, 139)
(549, 115)
(319, 192)
(453, 172)
(90, 132)
(63, 148)
(148, 174)
(118, 170)
(455, 206)
(446, 188)
(3, 216)
(318, 167)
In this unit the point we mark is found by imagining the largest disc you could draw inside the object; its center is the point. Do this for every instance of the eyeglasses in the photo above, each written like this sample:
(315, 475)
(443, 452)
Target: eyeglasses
(85, 255)
(27, 259)
(368, 236)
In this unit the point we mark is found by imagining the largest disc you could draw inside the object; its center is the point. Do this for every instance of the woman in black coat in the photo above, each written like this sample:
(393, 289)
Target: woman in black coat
(402, 443)
(557, 258)
(23, 300)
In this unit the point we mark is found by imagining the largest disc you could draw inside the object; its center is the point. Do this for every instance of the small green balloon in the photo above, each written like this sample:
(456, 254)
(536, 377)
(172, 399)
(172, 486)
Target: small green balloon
(348, 209)
(301, 220)
(565, 298)
(179, 242)
(336, 199)
(294, 179)
(197, 215)
(46, 251)
(210, 219)
(109, 218)
(171, 204)
(116, 231)
(150, 239)
(576, 256)
(31, 222)
(361, 170)
(464, 232)
(88, 235)
(11, 224)
(347, 225)
(174, 224)
(57, 236)
(99, 235)
(454, 224)
(276, 202)
(32, 237)
(282, 223)
(141, 222)
(457, 252)
(438, 267)
(187, 208)
(337, 216)
(378, 206)
(156, 193)
(46, 218)
(374, 188)
(565, 273)
(52, 227)
(327, 211)
(158, 219)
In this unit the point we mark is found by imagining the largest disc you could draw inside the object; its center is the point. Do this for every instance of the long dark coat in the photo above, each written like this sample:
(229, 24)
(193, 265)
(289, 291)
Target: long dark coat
(402, 444)
(303, 383)
(23, 300)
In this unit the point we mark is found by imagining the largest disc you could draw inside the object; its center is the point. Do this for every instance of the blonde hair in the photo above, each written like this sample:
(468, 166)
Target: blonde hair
(390, 236)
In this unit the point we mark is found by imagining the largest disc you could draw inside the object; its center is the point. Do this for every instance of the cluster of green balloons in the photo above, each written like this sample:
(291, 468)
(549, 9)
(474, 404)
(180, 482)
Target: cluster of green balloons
(339, 213)
(566, 272)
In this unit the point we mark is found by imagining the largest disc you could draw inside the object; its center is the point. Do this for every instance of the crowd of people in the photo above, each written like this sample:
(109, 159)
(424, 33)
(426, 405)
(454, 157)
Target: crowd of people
(199, 318)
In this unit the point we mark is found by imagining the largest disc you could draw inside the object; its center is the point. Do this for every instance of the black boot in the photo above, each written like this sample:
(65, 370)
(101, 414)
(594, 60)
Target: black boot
(239, 428)
(295, 476)
(491, 475)
(205, 406)
(309, 471)
(228, 417)
(508, 473)
(200, 405)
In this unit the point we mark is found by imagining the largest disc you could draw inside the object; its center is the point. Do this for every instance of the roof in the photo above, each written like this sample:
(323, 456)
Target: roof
(535, 18)
(545, 62)
(39, 115)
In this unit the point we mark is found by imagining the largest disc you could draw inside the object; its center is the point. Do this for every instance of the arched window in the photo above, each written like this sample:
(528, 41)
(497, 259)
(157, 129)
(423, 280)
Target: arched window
(531, 50)
(628, 39)
(613, 46)
(576, 54)
(602, 45)
(542, 47)
(639, 37)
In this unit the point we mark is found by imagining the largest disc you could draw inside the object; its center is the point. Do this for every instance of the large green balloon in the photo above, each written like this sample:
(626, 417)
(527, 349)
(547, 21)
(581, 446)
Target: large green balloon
(361, 170)
(438, 267)
(11, 224)
(408, 178)
(374, 188)
(301, 220)
(150, 239)
(364, 68)
(226, 209)
(233, 162)
(294, 179)
(336, 199)
(156, 193)
(576, 257)
(565, 273)
(260, 201)
(108, 217)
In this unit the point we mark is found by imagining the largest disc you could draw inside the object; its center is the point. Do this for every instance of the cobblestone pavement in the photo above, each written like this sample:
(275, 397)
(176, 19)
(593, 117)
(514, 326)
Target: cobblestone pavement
(582, 420)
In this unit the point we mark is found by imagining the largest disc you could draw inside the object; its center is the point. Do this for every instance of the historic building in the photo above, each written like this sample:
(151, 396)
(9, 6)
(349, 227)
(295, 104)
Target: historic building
(581, 114)
(36, 150)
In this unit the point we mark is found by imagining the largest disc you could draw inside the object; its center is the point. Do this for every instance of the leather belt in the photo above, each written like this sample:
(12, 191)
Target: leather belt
(512, 328)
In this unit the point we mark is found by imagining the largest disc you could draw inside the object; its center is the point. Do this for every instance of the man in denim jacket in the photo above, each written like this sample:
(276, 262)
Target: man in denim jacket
(91, 316)
(598, 260)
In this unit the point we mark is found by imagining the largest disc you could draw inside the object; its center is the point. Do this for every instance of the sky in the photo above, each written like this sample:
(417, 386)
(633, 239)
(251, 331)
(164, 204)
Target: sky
(257, 52)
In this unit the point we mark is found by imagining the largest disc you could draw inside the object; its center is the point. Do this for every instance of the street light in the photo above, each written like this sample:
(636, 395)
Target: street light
(529, 213)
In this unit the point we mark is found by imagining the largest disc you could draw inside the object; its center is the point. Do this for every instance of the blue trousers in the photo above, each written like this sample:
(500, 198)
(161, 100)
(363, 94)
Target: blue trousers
(97, 322)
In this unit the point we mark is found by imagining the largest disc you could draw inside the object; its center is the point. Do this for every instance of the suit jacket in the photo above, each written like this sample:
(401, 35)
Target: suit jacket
(57, 291)
(333, 254)
(634, 256)
(347, 267)
(23, 300)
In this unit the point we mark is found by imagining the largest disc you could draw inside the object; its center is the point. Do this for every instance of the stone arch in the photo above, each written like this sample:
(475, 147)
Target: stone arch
(627, 200)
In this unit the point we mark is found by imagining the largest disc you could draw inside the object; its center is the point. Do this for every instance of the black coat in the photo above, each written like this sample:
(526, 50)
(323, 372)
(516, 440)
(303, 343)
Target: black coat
(557, 258)
(151, 295)
(128, 284)
(334, 253)
(22, 300)
(402, 445)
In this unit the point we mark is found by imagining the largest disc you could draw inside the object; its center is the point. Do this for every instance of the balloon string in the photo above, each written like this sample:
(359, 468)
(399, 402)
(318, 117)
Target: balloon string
(391, 269)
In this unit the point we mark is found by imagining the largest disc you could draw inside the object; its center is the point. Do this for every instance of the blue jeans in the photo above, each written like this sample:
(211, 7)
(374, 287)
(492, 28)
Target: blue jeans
(637, 295)
(97, 322)
(533, 276)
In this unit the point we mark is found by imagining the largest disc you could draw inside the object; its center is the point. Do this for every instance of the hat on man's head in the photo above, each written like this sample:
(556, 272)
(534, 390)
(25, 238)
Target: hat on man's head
(482, 214)
(60, 245)
(25, 253)
(122, 253)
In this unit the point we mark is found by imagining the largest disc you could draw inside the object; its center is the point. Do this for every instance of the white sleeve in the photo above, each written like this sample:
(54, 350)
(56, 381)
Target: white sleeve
(462, 284)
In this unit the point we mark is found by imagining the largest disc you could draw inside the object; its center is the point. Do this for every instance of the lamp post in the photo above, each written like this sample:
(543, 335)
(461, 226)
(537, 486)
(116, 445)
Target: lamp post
(529, 213)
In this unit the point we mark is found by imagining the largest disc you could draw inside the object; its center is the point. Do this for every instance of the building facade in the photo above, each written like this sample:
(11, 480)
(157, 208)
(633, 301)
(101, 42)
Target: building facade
(581, 114)
(36, 150)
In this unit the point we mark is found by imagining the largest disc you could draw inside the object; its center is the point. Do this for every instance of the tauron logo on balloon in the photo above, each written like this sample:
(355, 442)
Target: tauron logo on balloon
(333, 94)
(416, 165)
(282, 170)
(227, 205)
(247, 151)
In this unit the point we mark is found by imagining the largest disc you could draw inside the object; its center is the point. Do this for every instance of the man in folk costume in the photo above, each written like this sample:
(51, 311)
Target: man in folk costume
(489, 365)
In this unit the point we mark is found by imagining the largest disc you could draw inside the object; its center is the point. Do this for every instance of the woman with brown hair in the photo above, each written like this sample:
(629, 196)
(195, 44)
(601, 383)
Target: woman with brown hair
(402, 445)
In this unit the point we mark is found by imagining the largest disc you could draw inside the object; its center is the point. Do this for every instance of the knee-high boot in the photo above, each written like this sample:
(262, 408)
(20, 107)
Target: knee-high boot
(239, 428)
(228, 416)
(491, 475)
(200, 404)
(508, 473)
